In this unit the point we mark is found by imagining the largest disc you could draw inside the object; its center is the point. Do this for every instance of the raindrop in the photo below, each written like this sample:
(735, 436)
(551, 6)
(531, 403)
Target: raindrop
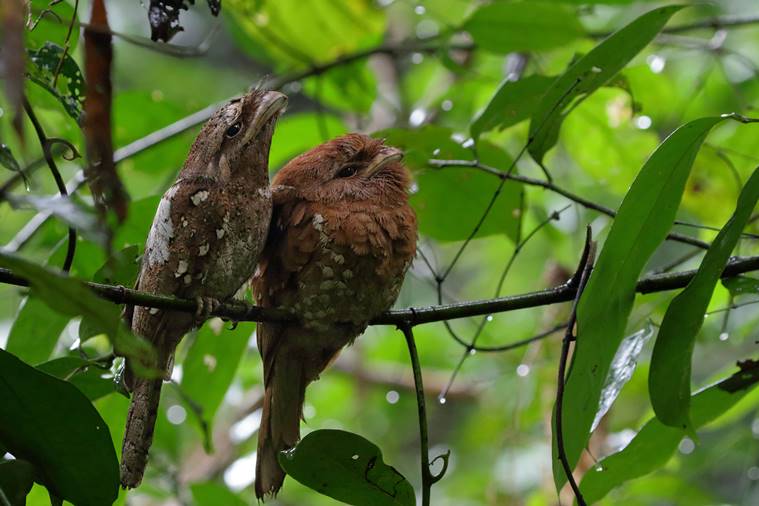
(523, 370)
(426, 29)
(686, 446)
(417, 58)
(436, 152)
(472, 351)
(417, 117)
(289, 454)
(392, 397)
(419, 9)
(442, 400)
(176, 414)
(355, 457)
(446, 105)
(489, 318)
(596, 70)
(643, 122)
(468, 143)
(753, 473)
(656, 63)
(724, 336)
(309, 411)
(384, 3)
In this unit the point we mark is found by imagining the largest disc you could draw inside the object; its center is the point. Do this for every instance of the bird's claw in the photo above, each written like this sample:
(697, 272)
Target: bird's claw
(206, 306)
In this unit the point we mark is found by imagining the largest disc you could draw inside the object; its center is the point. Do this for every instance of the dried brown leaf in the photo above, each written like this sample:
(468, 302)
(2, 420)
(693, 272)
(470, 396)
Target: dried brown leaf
(105, 185)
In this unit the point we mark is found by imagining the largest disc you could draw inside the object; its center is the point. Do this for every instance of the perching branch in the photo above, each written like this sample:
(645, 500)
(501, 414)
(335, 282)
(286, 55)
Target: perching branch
(241, 311)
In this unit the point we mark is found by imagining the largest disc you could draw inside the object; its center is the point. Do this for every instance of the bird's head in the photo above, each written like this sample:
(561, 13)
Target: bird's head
(235, 141)
(350, 168)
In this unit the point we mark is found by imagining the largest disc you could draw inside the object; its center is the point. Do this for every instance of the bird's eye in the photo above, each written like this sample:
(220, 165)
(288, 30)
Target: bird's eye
(234, 130)
(347, 171)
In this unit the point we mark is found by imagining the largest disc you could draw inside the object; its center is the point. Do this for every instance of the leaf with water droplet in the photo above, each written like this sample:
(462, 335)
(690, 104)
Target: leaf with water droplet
(346, 467)
(655, 443)
(622, 368)
(588, 74)
(57, 72)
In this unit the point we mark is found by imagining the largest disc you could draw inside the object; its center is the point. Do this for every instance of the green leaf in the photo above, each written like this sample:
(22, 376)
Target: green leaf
(741, 285)
(506, 27)
(210, 366)
(49, 423)
(92, 379)
(50, 23)
(71, 297)
(350, 88)
(121, 269)
(643, 221)
(321, 31)
(16, 480)
(450, 202)
(655, 443)
(346, 467)
(49, 61)
(513, 102)
(7, 159)
(35, 330)
(590, 73)
(214, 494)
(669, 376)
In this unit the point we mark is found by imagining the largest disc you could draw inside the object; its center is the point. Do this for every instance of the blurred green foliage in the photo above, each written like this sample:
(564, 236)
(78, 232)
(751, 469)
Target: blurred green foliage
(429, 90)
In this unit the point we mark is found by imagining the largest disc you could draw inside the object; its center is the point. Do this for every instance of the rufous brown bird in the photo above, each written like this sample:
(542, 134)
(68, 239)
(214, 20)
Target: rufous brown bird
(341, 240)
(206, 237)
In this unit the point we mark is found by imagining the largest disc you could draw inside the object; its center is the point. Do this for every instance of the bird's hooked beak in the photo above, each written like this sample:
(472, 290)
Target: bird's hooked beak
(385, 157)
(272, 103)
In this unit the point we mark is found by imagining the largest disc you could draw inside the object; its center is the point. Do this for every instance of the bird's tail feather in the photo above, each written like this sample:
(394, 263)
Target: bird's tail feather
(280, 421)
(138, 435)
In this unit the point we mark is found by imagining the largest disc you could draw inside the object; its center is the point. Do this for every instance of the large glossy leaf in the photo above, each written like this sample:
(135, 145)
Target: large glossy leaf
(210, 366)
(49, 423)
(92, 379)
(588, 74)
(71, 297)
(655, 443)
(450, 202)
(643, 221)
(35, 330)
(16, 480)
(669, 377)
(505, 27)
(346, 467)
(513, 102)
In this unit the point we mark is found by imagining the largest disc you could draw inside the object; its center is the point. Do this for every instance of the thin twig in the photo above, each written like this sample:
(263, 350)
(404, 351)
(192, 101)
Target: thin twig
(427, 478)
(549, 185)
(583, 272)
(45, 143)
